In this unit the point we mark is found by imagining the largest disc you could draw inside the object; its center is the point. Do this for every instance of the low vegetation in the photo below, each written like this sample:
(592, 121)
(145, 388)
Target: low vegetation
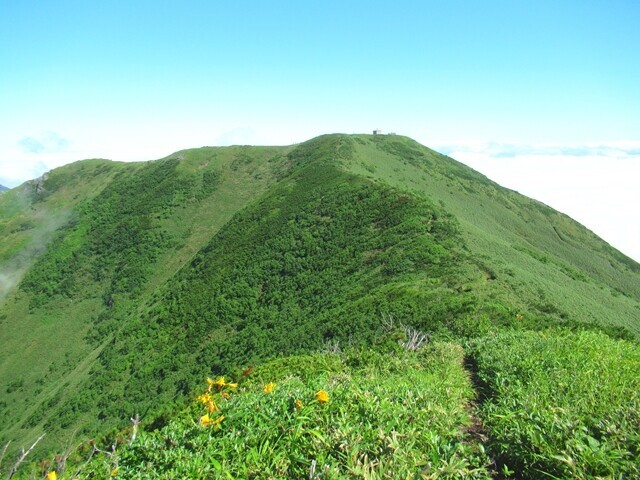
(360, 414)
(126, 285)
(529, 405)
(560, 404)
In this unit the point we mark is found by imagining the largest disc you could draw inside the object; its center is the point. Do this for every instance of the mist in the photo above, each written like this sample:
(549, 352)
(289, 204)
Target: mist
(45, 224)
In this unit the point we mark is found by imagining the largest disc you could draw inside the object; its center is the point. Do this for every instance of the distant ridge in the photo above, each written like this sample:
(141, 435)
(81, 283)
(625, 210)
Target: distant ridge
(3, 188)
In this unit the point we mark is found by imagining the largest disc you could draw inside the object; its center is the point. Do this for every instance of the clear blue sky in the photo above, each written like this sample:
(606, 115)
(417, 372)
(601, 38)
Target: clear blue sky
(490, 80)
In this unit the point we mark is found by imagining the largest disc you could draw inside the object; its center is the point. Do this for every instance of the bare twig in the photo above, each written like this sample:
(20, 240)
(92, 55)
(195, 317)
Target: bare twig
(4, 450)
(331, 346)
(110, 454)
(84, 465)
(415, 339)
(136, 421)
(23, 455)
(62, 462)
(387, 322)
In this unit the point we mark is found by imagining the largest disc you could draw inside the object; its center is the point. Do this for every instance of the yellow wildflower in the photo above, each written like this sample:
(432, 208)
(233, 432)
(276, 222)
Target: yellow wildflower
(218, 420)
(225, 395)
(52, 475)
(322, 396)
(114, 472)
(212, 406)
(205, 398)
(269, 387)
(219, 383)
(207, 421)
(298, 404)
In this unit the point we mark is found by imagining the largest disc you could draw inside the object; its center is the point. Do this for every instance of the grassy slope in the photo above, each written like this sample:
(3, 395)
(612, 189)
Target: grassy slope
(534, 257)
(521, 257)
(561, 405)
(319, 258)
(31, 214)
(46, 355)
(555, 404)
(387, 415)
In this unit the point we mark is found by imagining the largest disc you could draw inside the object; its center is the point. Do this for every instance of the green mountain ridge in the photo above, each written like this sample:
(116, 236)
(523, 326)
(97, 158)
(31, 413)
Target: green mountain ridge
(125, 285)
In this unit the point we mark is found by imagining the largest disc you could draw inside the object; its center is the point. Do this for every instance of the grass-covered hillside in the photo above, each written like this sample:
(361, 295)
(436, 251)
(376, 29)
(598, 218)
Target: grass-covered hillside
(125, 285)
(83, 246)
(550, 404)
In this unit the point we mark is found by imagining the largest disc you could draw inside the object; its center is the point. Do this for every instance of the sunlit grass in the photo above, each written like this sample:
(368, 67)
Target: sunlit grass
(562, 405)
(394, 415)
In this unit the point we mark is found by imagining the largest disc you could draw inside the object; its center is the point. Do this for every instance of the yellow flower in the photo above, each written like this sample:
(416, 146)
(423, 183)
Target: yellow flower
(218, 420)
(114, 472)
(298, 404)
(212, 406)
(322, 396)
(205, 398)
(269, 387)
(52, 475)
(225, 395)
(220, 384)
(207, 421)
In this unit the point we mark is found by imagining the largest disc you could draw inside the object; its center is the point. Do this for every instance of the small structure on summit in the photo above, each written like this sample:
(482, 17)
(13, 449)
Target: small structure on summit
(377, 132)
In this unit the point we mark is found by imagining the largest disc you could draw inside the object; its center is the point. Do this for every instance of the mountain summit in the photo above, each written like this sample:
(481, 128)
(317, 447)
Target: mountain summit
(125, 284)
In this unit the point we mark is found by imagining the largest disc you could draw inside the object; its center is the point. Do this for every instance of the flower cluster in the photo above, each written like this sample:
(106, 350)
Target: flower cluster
(208, 398)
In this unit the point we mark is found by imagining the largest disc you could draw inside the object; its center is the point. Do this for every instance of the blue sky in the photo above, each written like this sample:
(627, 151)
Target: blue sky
(542, 96)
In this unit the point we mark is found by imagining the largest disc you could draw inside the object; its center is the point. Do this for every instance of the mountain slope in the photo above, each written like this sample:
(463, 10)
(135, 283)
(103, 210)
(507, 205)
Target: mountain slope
(528, 248)
(88, 219)
(157, 274)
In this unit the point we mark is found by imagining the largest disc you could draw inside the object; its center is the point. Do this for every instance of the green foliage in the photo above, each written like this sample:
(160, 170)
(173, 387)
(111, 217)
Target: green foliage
(141, 279)
(319, 258)
(400, 415)
(561, 405)
(101, 243)
(116, 237)
(556, 262)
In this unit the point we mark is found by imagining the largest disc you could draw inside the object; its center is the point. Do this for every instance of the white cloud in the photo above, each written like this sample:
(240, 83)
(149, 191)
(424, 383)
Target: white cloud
(31, 156)
(18, 169)
(47, 142)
